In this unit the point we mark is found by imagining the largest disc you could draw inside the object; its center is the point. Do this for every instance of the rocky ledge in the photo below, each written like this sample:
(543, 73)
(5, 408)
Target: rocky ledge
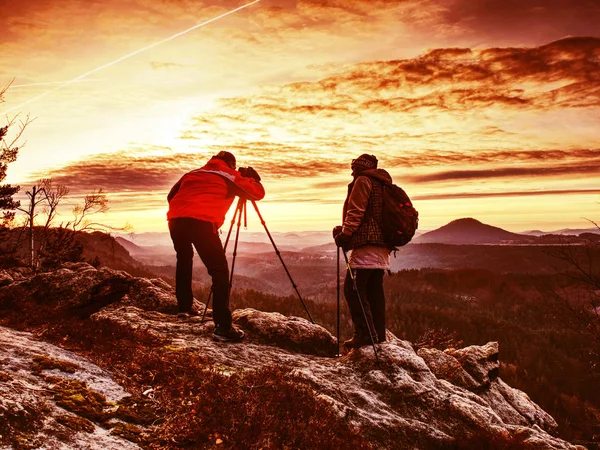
(426, 399)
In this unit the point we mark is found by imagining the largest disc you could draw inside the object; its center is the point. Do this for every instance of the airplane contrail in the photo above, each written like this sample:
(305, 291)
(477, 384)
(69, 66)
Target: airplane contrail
(50, 83)
(129, 55)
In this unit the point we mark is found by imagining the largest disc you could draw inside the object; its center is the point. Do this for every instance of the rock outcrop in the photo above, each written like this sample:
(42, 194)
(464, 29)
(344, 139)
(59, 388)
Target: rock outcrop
(425, 399)
(44, 401)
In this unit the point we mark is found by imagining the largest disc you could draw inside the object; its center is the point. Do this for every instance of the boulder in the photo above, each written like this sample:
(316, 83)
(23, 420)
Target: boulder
(481, 362)
(5, 278)
(293, 333)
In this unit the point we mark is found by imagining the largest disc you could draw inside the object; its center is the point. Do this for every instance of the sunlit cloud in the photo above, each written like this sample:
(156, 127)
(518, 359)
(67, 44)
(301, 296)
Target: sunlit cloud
(467, 195)
(524, 20)
(593, 167)
(432, 116)
(455, 98)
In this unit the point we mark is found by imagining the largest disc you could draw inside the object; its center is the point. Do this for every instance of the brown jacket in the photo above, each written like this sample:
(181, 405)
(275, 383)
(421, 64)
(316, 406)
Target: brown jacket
(363, 209)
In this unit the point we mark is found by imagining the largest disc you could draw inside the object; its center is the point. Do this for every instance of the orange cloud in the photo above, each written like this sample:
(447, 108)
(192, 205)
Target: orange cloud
(305, 130)
(593, 167)
(466, 195)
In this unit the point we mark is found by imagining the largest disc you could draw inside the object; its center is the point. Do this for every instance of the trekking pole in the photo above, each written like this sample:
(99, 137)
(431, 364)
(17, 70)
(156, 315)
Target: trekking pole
(262, 221)
(338, 301)
(361, 304)
(237, 210)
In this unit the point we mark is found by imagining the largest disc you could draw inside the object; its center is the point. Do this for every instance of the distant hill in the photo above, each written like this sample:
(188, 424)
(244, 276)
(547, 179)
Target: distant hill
(108, 251)
(564, 231)
(290, 239)
(132, 248)
(470, 231)
(100, 248)
(593, 237)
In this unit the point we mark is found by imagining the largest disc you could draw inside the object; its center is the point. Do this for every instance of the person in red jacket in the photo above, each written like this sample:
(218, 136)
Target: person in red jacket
(198, 203)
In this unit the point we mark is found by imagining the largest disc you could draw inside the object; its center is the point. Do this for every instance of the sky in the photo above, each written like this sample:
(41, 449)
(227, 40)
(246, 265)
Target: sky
(477, 108)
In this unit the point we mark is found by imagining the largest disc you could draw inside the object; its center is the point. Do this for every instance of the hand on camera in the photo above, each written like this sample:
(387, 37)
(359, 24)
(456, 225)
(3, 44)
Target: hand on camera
(249, 172)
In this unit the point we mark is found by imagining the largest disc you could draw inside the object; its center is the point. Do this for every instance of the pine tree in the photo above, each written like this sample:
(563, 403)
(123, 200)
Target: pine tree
(8, 154)
(7, 203)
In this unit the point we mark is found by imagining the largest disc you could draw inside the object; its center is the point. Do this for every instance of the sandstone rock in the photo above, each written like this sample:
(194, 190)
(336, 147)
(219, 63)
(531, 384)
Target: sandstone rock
(19, 273)
(29, 415)
(447, 367)
(428, 400)
(481, 362)
(81, 290)
(5, 278)
(516, 408)
(292, 333)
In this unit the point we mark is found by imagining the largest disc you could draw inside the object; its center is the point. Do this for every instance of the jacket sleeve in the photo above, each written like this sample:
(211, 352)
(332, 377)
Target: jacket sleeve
(248, 188)
(357, 205)
(174, 190)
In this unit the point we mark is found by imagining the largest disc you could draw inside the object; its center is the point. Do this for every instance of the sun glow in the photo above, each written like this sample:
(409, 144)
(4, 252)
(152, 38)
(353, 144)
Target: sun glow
(500, 132)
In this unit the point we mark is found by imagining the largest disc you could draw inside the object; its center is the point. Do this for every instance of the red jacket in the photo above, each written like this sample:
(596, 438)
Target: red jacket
(207, 193)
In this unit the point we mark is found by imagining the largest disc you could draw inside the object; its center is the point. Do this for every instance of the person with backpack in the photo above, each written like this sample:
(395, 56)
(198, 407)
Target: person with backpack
(198, 203)
(362, 233)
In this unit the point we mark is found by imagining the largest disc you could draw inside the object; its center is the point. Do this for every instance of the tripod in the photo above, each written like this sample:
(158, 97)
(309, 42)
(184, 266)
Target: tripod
(240, 210)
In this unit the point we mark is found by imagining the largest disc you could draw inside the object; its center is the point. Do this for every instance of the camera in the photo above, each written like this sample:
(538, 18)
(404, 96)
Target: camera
(249, 172)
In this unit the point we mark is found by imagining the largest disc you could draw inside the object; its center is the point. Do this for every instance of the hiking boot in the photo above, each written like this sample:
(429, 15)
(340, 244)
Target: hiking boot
(187, 314)
(233, 334)
(357, 341)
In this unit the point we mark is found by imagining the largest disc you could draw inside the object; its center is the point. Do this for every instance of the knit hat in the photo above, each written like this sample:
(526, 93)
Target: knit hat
(365, 161)
(227, 157)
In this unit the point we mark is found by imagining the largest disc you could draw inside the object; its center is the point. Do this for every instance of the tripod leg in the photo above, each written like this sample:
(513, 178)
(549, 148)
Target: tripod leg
(338, 301)
(238, 209)
(281, 259)
(369, 327)
(237, 237)
(240, 205)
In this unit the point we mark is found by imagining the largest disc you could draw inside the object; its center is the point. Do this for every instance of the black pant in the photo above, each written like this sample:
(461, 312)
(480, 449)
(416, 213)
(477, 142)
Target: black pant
(186, 232)
(369, 283)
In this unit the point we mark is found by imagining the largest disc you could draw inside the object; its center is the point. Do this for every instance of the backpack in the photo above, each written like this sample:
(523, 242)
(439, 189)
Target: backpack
(400, 218)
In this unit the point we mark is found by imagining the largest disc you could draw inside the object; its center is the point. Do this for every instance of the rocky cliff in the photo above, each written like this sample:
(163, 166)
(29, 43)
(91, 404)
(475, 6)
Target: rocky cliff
(138, 376)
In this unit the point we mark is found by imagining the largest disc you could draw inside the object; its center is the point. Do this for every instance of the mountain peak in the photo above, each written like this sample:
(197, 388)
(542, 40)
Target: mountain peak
(465, 222)
(469, 231)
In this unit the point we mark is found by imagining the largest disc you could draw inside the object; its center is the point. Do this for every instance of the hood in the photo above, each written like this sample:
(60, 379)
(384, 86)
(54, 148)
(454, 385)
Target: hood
(217, 163)
(379, 174)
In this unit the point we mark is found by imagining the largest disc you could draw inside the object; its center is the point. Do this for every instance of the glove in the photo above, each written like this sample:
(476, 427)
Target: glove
(336, 230)
(249, 172)
(342, 239)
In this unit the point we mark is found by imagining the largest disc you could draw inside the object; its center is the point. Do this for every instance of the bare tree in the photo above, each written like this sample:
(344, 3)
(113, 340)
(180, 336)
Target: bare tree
(61, 243)
(36, 196)
(578, 303)
(50, 245)
(53, 194)
(94, 203)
